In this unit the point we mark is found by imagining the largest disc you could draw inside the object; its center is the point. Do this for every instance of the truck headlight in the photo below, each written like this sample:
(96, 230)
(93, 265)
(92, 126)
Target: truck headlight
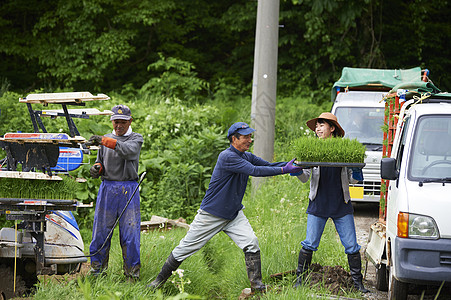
(417, 226)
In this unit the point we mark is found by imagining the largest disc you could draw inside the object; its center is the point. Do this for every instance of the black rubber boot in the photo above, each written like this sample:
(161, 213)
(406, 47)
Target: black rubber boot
(304, 261)
(355, 266)
(166, 271)
(254, 271)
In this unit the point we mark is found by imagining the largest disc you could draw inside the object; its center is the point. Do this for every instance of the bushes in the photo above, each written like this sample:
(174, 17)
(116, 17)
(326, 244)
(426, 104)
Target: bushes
(181, 144)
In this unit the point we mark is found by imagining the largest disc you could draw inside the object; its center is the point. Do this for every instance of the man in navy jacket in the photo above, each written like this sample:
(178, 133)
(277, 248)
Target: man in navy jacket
(221, 208)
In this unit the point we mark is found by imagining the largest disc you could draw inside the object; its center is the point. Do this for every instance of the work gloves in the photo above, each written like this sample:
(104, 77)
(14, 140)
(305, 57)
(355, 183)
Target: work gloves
(290, 167)
(97, 140)
(96, 170)
(357, 173)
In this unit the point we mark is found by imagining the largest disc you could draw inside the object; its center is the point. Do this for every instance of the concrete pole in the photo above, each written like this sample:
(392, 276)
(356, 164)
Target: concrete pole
(263, 112)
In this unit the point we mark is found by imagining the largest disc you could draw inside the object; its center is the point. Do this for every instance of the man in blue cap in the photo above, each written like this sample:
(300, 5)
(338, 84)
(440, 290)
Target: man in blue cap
(117, 163)
(221, 208)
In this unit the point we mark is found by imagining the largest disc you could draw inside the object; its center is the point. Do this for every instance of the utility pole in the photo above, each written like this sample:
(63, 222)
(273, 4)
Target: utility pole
(264, 86)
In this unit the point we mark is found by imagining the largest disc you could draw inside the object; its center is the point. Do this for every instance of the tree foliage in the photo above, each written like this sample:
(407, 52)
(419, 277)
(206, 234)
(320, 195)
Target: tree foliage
(104, 45)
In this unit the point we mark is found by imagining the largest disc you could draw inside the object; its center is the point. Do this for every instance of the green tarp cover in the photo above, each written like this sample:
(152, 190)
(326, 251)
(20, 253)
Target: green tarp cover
(394, 79)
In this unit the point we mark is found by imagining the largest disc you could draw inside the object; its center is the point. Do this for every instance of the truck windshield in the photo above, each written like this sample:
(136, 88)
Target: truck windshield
(363, 124)
(431, 153)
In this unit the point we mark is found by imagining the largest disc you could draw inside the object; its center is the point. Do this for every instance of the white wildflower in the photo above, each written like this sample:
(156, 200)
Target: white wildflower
(180, 272)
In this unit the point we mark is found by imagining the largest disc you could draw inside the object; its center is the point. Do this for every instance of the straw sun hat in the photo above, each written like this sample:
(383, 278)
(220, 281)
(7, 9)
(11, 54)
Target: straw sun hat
(330, 117)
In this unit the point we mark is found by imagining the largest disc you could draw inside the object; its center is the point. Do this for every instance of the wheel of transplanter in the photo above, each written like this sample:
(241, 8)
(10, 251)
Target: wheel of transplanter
(397, 290)
(7, 283)
(27, 270)
(381, 278)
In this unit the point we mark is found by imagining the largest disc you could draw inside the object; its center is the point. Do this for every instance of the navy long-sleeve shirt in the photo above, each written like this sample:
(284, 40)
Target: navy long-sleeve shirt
(229, 180)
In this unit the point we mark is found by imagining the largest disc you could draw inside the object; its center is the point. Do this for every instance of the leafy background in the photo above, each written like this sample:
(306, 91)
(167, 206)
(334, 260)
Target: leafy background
(185, 69)
(207, 46)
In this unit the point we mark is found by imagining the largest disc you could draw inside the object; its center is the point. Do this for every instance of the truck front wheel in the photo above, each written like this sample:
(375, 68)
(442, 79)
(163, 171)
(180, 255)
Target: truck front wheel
(397, 289)
(382, 278)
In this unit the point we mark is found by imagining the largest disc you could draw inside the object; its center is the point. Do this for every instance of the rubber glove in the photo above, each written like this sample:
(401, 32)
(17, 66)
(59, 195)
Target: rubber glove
(94, 140)
(357, 173)
(97, 140)
(290, 167)
(96, 170)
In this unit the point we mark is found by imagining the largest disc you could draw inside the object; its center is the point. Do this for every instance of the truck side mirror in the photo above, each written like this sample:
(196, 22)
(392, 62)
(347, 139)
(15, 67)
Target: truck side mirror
(388, 169)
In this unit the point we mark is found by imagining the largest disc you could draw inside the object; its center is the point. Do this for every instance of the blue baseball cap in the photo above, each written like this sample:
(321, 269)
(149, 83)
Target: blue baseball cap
(121, 112)
(241, 128)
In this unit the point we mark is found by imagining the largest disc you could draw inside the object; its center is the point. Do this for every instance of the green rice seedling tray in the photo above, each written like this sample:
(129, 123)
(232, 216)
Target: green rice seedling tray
(14, 188)
(341, 152)
(308, 164)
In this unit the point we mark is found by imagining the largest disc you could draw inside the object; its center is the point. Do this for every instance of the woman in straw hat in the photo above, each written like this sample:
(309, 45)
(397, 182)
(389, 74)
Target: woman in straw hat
(329, 198)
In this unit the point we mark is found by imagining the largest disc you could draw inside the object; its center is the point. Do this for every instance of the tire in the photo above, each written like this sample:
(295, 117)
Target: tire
(7, 284)
(382, 278)
(397, 290)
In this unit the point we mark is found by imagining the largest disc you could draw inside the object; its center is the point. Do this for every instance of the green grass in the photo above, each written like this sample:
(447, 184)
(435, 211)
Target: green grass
(311, 149)
(277, 215)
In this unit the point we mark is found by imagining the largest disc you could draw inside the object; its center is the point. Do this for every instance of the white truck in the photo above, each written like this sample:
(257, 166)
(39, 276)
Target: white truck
(410, 244)
(358, 104)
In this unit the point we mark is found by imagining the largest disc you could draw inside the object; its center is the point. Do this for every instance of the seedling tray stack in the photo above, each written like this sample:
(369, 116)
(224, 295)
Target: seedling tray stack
(37, 195)
(331, 152)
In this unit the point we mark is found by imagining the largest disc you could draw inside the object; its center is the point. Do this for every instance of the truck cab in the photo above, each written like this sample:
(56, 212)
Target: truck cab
(418, 226)
(410, 243)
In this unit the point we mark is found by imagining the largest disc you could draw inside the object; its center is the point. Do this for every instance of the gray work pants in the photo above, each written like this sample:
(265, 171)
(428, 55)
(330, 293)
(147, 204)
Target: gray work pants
(206, 225)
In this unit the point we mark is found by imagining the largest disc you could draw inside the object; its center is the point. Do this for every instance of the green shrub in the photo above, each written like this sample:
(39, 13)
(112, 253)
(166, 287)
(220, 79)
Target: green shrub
(13, 115)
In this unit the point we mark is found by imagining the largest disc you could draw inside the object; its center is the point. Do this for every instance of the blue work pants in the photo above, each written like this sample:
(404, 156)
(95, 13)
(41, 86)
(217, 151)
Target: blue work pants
(111, 200)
